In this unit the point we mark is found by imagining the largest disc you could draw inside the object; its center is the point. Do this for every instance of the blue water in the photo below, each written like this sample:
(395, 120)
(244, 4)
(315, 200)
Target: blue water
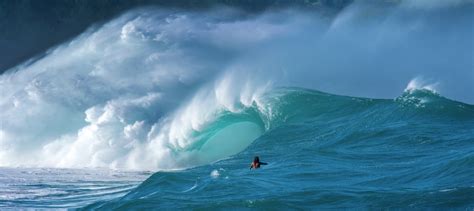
(328, 151)
(54, 188)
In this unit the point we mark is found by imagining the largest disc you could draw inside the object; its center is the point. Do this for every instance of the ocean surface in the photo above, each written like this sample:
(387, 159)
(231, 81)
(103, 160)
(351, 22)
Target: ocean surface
(327, 151)
(368, 107)
(323, 150)
(53, 188)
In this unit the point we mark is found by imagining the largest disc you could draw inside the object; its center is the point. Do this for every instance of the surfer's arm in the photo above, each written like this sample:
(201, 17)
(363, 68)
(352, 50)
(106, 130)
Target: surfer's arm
(262, 163)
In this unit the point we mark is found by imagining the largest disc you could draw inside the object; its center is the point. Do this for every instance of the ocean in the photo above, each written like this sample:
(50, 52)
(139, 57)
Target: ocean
(366, 107)
(333, 152)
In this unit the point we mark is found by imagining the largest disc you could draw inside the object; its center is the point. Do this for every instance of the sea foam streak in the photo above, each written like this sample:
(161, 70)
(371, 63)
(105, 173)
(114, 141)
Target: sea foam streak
(148, 90)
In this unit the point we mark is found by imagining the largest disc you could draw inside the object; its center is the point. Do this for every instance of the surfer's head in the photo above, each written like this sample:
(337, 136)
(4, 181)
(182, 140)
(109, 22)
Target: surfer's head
(256, 159)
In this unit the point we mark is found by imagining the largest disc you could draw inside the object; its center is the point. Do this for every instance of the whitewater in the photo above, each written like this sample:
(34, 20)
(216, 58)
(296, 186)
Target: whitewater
(368, 107)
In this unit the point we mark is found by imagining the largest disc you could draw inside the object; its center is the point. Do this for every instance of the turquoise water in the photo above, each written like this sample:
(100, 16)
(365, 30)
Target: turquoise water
(328, 151)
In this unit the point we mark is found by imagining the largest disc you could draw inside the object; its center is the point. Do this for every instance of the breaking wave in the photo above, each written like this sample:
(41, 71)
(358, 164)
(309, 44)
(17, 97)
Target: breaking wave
(160, 89)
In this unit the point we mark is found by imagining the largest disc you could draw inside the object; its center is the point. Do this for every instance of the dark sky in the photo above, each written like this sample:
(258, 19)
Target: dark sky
(30, 27)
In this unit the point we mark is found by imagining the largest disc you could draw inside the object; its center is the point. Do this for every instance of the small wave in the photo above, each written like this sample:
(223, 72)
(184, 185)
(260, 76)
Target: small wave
(419, 83)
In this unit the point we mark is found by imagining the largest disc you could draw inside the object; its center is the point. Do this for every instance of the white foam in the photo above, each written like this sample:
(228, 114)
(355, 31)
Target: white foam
(215, 174)
(116, 97)
(419, 83)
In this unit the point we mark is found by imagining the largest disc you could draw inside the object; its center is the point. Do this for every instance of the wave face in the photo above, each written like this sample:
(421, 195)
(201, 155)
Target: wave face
(202, 92)
(331, 151)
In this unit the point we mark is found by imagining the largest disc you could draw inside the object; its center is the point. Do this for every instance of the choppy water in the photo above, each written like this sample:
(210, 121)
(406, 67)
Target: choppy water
(63, 188)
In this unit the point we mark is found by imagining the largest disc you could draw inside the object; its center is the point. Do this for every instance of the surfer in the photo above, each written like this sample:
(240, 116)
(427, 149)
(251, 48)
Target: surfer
(256, 163)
